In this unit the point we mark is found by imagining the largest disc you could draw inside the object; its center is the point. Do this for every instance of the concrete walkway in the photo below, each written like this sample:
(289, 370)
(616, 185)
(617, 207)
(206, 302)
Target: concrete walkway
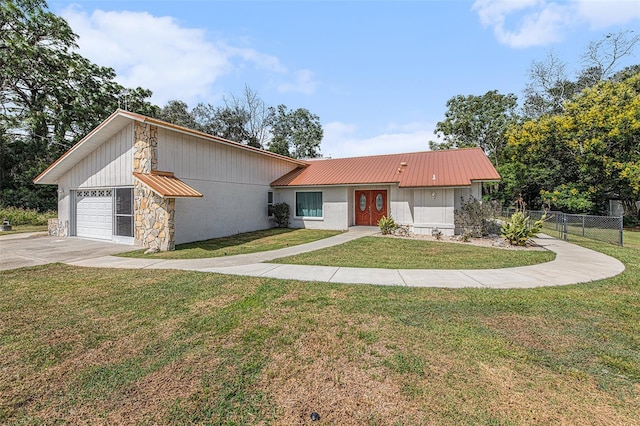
(573, 264)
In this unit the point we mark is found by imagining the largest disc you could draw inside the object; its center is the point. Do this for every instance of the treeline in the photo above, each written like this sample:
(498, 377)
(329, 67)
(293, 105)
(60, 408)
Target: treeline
(51, 97)
(572, 145)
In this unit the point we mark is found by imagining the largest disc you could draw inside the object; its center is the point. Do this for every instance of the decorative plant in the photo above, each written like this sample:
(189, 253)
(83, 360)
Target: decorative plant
(518, 231)
(280, 212)
(436, 233)
(387, 225)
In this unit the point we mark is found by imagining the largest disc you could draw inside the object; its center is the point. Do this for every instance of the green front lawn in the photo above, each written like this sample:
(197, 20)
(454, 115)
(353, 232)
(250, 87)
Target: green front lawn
(83, 345)
(400, 253)
(249, 242)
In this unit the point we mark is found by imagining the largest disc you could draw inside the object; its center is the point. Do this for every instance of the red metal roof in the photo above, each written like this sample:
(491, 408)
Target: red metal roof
(455, 167)
(166, 184)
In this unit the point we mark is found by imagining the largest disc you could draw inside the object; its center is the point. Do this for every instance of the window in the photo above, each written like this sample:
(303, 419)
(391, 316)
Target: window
(269, 203)
(309, 204)
(124, 212)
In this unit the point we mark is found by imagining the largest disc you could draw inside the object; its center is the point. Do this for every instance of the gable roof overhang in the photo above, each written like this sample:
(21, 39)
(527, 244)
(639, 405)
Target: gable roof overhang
(427, 169)
(166, 185)
(115, 123)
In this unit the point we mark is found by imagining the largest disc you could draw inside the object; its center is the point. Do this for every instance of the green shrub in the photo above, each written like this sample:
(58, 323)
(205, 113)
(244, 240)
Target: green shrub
(477, 218)
(630, 221)
(20, 216)
(518, 230)
(387, 225)
(280, 212)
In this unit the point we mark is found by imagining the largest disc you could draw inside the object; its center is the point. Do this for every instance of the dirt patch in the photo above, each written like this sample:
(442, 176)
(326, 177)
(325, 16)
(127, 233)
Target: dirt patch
(315, 376)
(215, 303)
(536, 333)
(550, 398)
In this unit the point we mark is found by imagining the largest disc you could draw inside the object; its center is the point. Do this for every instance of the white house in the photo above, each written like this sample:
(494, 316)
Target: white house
(142, 181)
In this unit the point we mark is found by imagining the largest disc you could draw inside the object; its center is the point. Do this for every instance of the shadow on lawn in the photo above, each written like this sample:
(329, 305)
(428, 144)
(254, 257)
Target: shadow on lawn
(233, 240)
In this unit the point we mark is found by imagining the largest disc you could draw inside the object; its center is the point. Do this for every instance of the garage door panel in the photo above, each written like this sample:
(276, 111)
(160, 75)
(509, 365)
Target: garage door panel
(94, 212)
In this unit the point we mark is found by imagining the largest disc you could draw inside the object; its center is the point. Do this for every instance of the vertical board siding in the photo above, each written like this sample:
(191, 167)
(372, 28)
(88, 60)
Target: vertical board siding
(109, 165)
(190, 157)
(401, 202)
(435, 212)
(234, 183)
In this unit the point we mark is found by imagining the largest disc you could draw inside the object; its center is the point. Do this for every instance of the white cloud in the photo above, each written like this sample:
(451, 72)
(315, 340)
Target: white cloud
(303, 83)
(261, 60)
(174, 62)
(341, 140)
(151, 52)
(538, 22)
(601, 14)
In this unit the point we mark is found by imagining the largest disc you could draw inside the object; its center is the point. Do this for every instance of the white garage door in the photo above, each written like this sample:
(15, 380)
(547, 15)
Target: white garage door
(94, 213)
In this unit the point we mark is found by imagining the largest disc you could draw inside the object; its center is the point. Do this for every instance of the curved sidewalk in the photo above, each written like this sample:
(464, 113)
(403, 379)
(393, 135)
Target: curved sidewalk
(573, 264)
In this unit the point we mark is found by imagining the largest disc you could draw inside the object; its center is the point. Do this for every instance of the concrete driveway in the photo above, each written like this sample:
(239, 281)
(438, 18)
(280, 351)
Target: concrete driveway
(20, 250)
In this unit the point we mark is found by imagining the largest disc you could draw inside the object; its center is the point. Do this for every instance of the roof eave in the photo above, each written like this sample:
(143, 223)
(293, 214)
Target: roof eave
(52, 173)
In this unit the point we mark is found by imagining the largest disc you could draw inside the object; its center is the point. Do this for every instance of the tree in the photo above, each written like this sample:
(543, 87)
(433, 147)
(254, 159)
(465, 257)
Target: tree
(254, 115)
(177, 112)
(477, 121)
(605, 54)
(591, 149)
(244, 119)
(548, 87)
(50, 95)
(296, 133)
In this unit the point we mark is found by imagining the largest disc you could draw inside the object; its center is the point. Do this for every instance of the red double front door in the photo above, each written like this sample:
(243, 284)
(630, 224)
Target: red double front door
(370, 205)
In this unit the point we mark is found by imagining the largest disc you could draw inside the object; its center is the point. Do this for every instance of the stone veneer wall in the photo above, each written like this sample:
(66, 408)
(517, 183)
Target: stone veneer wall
(153, 215)
(58, 228)
(153, 219)
(145, 148)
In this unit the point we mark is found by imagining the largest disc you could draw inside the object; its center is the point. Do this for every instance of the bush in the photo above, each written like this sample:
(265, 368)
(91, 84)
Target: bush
(518, 231)
(476, 218)
(630, 221)
(387, 225)
(280, 212)
(20, 216)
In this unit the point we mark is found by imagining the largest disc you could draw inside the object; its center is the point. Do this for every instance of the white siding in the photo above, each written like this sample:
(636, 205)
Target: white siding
(234, 183)
(433, 208)
(476, 190)
(110, 165)
(335, 208)
(189, 157)
(402, 205)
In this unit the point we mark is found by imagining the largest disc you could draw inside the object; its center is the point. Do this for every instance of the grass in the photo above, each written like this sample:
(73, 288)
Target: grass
(19, 229)
(249, 242)
(397, 253)
(83, 345)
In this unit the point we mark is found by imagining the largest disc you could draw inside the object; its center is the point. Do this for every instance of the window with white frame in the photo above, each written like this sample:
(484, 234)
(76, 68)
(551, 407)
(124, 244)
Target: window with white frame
(309, 204)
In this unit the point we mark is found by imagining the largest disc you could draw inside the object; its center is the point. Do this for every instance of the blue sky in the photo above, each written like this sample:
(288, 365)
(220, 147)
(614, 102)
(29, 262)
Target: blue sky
(378, 74)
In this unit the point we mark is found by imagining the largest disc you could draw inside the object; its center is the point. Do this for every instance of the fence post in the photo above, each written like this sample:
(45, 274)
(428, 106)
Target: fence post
(565, 230)
(583, 225)
(621, 221)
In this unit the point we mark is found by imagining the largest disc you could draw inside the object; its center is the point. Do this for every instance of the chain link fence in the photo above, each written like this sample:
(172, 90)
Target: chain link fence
(608, 229)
